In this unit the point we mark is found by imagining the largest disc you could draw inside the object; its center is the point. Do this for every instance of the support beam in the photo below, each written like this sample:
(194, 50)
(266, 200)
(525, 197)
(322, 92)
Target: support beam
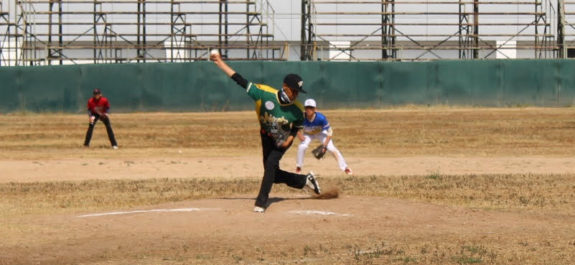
(387, 30)
(561, 30)
(306, 31)
(475, 29)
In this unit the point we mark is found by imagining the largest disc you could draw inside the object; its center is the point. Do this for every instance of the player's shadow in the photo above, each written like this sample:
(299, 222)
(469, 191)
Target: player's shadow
(279, 199)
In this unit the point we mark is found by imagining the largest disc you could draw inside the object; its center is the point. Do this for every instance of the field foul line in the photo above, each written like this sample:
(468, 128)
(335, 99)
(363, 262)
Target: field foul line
(305, 212)
(149, 211)
(312, 212)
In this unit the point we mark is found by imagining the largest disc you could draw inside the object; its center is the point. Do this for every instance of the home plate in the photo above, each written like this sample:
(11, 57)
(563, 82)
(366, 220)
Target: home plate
(312, 212)
(150, 211)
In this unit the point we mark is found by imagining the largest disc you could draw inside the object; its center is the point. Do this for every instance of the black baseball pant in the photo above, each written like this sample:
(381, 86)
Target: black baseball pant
(272, 172)
(109, 130)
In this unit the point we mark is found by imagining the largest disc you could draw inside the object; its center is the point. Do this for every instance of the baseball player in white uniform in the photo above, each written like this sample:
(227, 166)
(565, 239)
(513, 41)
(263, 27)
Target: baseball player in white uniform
(316, 127)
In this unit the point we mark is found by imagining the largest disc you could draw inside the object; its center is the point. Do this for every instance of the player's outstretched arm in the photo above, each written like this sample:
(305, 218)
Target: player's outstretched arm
(217, 59)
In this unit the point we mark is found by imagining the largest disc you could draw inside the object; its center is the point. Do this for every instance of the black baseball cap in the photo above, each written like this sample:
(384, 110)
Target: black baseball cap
(294, 82)
(97, 91)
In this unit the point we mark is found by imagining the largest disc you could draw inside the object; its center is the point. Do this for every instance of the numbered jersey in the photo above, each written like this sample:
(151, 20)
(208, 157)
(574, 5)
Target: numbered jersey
(275, 119)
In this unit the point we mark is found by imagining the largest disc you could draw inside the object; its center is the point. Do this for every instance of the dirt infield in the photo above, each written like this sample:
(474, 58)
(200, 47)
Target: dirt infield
(431, 186)
(247, 167)
(295, 230)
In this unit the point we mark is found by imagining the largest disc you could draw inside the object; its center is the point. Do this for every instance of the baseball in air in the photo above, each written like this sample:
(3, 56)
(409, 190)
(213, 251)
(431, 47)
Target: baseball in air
(214, 52)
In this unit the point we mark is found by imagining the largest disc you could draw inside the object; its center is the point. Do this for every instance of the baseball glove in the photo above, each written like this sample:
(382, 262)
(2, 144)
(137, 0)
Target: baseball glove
(319, 152)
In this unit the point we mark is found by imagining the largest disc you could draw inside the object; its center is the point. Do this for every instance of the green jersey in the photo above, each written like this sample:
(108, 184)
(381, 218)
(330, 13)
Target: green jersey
(276, 119)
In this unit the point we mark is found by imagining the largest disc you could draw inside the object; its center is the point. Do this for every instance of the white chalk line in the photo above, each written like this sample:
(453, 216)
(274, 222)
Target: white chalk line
(149, 211)
(304, 212)
(313, 212)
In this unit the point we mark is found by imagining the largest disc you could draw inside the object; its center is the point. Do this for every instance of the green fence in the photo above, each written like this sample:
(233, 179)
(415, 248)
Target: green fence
(200, 86)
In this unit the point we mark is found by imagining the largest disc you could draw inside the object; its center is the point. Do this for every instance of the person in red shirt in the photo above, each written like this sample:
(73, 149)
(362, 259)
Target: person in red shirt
(98, 107)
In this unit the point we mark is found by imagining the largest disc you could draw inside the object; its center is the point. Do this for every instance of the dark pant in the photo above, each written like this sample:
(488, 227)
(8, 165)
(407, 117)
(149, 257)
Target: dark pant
(106, 122)
(272, 172)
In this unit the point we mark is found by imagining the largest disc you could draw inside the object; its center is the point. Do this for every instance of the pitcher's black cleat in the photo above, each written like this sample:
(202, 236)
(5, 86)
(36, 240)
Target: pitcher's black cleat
(311, 183)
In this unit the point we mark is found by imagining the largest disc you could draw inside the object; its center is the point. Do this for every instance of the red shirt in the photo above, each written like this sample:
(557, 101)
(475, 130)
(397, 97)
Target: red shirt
(98, 106)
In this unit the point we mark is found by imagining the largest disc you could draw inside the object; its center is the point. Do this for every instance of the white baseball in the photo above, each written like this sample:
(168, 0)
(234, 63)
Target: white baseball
(214, 52)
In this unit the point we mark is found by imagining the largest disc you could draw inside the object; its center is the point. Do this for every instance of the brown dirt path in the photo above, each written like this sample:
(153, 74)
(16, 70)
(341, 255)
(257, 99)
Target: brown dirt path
(40, 170)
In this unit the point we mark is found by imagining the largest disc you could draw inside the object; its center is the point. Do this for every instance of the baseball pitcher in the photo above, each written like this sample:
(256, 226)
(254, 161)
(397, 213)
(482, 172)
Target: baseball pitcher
(280, 116)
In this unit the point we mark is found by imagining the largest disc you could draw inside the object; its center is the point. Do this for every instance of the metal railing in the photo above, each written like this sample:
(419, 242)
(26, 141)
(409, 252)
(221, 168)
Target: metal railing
(46, 32)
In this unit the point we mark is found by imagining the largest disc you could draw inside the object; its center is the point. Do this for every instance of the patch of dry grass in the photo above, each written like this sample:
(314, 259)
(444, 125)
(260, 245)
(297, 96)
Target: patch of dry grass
(48, 197)
(545, 193)
(537, 193)
(135, 130)
(457, 131)
(385, 132)
(458, 252)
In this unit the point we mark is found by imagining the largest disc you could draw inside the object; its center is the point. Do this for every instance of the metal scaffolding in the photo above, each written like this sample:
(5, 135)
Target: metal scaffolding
(45, 32)
(429, 30)
(48, 32)
(566, 29)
